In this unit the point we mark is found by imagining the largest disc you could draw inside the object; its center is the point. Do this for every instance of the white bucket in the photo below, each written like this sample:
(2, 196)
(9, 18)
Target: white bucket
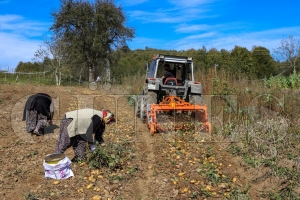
(58, 170)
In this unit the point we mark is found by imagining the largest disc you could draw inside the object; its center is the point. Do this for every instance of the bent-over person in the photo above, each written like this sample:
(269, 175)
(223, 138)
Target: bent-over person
(82, 126)
(38, 111)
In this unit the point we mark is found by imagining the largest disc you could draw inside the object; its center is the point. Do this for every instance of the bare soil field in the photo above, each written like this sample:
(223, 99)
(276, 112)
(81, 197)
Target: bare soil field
(172, 165)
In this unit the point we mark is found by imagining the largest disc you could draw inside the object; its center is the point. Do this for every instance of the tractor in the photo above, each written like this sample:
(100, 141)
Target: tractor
(179, 95)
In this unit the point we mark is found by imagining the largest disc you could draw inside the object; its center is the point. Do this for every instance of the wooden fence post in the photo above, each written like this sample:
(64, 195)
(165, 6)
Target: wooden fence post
(6, 74)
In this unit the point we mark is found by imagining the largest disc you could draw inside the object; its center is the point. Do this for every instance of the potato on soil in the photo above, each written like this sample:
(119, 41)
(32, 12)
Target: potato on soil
(56, 182)
(89, 186)
(97, 197)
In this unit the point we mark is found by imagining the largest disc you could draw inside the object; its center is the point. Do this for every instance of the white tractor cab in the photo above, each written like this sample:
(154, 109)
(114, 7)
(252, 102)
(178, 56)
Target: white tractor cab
(182, 85)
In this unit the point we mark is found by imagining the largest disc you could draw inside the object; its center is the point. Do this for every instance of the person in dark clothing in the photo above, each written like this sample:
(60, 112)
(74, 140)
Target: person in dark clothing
(38, 112)
(168, 73)
(78, 128)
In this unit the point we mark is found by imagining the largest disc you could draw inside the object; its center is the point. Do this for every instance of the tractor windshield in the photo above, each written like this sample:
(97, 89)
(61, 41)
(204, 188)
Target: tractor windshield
(182, 71)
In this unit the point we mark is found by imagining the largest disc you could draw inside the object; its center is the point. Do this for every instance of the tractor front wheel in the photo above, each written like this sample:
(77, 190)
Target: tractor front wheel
(150, 98)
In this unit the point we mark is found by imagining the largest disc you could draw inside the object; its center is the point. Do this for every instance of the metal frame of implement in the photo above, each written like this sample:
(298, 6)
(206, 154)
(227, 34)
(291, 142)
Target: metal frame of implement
(173, 103)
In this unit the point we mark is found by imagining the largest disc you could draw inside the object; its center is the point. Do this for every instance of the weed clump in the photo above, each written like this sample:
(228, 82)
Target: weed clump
(30, 196)
(111, 156)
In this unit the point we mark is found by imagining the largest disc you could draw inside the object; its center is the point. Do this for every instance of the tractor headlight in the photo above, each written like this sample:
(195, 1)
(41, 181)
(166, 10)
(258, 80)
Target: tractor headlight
(151, 86)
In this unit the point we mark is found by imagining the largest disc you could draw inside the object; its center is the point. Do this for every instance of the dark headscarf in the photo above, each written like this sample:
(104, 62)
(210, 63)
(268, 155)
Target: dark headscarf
(40, 102)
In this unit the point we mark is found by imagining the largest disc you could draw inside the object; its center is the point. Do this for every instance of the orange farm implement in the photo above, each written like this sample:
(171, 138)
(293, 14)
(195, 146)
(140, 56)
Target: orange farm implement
(176, 104)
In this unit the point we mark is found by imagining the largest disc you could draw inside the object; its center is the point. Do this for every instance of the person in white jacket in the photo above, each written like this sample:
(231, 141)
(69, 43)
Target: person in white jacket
(98, 79)
(81, 126)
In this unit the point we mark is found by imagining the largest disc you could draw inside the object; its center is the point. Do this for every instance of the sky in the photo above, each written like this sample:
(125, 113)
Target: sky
(168, 25)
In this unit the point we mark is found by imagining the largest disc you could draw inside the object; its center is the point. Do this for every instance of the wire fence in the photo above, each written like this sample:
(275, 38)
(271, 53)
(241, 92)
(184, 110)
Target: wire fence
(46, 77)
(49, 78)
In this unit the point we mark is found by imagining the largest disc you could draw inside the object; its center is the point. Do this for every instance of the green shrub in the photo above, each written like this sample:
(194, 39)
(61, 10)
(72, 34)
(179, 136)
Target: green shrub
(112, 156)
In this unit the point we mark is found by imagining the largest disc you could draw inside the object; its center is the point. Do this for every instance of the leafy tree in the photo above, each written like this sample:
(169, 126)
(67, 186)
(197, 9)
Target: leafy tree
(242, 60)
(91, 31)
(289, 51)
(226, 60)
(29, 67)
(213, 58)
(199, 57)
(264, 63)
(54, 48)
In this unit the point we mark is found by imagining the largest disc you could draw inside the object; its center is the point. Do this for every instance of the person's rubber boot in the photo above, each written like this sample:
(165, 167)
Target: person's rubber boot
(92, 147)
(37, 132)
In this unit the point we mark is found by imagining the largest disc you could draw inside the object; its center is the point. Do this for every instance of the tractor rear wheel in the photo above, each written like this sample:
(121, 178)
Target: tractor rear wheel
(150, 98)
(196, 100)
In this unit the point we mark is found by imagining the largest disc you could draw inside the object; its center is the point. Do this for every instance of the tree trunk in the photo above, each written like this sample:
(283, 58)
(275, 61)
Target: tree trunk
(57, 76)
(59, 80)
(91, 74)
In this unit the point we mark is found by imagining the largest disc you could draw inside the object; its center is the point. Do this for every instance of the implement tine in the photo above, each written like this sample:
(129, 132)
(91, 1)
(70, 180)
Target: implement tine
(178, 105)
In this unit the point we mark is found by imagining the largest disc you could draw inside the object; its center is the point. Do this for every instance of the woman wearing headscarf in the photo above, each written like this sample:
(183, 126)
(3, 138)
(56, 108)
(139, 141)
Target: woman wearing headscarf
(38, 112)
(82, 126)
